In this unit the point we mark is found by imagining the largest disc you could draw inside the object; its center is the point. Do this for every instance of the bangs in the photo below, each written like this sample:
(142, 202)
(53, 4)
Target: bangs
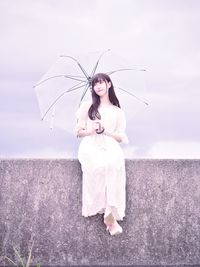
(98, 78)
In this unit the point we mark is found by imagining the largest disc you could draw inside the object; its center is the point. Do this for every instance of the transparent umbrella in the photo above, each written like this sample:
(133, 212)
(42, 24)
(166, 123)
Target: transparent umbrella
(68, 82)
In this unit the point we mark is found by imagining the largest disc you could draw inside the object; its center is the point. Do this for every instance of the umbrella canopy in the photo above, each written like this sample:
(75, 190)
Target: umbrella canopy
(67, 83)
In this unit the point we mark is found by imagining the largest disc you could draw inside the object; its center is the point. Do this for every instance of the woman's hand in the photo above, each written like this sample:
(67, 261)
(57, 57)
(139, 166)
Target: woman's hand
(99, 129)
(96, 124)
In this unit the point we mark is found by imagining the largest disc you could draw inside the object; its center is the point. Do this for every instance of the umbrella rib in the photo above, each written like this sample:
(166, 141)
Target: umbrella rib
(80, 66)
(73, 88)
(133, 95)
(57, 76)
(97, 63)
(114, 71)
(84, 93)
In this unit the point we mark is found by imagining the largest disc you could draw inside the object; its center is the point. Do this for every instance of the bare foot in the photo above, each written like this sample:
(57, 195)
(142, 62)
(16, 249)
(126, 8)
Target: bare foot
(115, 229)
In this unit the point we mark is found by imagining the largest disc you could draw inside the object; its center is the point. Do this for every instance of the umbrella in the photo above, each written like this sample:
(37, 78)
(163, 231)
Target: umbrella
(68, 82)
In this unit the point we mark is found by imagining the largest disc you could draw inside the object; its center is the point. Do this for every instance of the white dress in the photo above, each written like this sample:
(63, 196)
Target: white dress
(102, 162)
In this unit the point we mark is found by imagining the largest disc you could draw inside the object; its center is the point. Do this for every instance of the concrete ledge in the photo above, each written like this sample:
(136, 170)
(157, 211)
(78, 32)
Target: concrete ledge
(40, 200)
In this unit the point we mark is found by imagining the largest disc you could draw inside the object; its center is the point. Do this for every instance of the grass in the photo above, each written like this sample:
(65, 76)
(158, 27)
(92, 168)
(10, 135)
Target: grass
(22, 261)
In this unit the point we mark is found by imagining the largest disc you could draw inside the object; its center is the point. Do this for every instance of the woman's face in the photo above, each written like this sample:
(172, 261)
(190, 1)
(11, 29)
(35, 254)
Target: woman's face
(101, 87)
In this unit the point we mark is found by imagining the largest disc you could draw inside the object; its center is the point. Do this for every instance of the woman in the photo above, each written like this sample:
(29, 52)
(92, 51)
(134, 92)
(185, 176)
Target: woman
(102, 126)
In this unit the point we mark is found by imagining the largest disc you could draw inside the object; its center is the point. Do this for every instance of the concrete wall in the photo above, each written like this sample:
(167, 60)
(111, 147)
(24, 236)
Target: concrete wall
(40, 200)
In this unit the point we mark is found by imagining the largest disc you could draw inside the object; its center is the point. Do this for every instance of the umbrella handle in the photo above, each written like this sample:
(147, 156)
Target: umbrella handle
(100, 130)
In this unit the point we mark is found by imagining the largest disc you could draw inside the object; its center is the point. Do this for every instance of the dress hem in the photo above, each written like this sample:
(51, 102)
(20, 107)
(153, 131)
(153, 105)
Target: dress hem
(120, 218)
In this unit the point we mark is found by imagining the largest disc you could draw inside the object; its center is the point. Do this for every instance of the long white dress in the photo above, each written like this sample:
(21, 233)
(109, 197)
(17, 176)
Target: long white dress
(102, 162)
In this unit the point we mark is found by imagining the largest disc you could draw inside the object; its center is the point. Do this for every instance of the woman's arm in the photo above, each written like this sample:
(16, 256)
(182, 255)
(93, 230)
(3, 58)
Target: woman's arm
(116, 136)
(119, 133)
(84, 132)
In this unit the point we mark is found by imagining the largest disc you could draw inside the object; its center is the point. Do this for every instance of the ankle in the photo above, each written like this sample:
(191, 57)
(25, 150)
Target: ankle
(109, 219)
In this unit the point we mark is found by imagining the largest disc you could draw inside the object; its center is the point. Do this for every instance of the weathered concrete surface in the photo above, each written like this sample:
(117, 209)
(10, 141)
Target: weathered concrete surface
(41, 200)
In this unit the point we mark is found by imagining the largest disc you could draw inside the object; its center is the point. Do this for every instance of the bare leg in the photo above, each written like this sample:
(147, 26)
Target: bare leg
(108, 216)
(111, 224)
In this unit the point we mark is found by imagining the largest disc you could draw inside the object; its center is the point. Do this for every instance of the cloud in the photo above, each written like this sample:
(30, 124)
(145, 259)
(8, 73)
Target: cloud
(130, 151)
(41, 153)
(171, 149)
(160, 36)
(26, 136)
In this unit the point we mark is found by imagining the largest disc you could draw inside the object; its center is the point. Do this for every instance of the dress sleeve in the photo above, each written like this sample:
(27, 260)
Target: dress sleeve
(81, 117)
(121, 127)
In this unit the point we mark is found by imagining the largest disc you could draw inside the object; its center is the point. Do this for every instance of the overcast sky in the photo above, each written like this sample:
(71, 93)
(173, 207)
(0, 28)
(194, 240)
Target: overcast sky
(162, 36)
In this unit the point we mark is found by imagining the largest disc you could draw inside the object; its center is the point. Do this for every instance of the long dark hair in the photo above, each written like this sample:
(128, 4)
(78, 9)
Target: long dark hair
(93, 112)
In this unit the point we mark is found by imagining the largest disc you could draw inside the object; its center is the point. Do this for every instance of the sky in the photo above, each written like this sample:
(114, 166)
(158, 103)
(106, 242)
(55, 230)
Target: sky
(162, 36)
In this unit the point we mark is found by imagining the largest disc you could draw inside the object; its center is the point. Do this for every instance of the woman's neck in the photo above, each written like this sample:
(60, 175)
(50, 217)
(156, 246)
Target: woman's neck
(105, 101)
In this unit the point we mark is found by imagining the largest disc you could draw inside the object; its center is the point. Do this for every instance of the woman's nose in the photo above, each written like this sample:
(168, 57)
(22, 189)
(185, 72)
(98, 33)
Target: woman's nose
(98, 87)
